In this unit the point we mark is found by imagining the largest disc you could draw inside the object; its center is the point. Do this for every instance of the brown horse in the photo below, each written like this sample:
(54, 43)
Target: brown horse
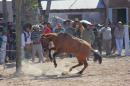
(64, 42)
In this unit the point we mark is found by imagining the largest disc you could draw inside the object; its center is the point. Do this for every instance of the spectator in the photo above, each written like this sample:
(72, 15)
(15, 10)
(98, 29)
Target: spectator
(3, 47)
(68, 27)
(88, 34)
(27, 37)
(98, 38)
(47, 28)
(119, 35)
(36, 40)
(59, 29)
(11, 43)
(107, 37)
(78, 29)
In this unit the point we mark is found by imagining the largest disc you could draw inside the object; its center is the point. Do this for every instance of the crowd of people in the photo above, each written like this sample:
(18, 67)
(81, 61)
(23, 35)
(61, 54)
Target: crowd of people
(107, 37)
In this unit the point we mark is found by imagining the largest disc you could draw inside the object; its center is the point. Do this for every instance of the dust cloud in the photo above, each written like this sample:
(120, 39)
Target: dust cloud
(47, 68)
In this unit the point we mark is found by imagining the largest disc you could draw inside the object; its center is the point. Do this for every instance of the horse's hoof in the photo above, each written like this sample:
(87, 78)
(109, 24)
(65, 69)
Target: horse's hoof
(80, 72)
(70, 70)
(65, 73)
(55, 65)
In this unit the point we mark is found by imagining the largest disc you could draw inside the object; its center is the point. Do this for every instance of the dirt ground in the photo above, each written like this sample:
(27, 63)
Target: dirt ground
(112, 72)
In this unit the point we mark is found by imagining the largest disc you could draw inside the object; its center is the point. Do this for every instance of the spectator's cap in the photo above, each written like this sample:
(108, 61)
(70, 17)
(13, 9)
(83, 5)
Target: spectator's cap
(35, 27)
(119, 22)
(99, 25)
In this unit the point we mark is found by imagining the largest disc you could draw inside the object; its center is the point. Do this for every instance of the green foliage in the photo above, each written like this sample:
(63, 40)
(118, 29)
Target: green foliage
(34, 4)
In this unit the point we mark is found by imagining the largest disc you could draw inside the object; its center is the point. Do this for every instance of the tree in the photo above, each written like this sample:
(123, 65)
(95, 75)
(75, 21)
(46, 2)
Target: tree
(47, 10)
(18, 7)
(30, 11)
(19, 11)
(40, 11)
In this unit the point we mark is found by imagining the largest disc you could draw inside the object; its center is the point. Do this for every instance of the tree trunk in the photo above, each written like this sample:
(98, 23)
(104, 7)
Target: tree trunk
(18, 34)
(5, 14)
(47, 10)
(40, 10)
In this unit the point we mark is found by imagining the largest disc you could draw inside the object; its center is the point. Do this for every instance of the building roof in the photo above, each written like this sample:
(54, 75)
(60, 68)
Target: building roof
(74, 4)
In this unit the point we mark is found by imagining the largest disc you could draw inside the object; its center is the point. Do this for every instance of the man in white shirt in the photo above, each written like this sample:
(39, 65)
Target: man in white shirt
(107, 37)
(26, 41)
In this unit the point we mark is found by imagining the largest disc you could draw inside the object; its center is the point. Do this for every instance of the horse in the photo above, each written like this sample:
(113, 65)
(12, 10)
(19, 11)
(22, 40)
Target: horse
(45, 46)
(64, 42)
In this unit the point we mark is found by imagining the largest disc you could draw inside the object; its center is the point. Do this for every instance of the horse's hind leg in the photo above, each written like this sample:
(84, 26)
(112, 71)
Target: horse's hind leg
(79, 64)
(85, 65)
(49, 52)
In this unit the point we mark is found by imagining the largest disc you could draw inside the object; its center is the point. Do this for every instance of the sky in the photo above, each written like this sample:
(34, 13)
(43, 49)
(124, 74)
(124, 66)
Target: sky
(6, 0)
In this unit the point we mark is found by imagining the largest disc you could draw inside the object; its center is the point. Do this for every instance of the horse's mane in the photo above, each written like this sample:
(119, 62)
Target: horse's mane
(51, 34)
(65, 35)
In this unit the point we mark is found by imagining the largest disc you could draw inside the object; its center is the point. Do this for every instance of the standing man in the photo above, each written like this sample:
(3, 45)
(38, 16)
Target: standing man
(36, 40)
(119, 35)
(3, 47)
(107, 37)
(27, 39)
(59, 28)
(68, 27)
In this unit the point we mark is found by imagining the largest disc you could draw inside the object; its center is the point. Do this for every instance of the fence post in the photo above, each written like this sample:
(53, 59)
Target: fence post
(126, 30)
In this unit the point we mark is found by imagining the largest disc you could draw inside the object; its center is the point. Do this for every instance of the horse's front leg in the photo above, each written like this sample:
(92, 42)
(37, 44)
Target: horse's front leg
(54, 58)
(50, 53)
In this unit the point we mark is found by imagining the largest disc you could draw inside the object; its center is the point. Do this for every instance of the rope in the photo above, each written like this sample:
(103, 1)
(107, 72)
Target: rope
(7, 50)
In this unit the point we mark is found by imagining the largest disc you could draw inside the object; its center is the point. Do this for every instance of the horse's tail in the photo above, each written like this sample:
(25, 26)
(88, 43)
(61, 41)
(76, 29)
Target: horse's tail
(97, 56)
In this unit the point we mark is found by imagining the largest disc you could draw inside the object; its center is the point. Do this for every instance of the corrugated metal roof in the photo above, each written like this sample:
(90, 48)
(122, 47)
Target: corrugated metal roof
(6, 0)
(74, 4)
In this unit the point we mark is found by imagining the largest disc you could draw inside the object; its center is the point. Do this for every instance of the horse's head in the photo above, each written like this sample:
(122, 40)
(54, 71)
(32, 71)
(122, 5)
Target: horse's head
(44, 42)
